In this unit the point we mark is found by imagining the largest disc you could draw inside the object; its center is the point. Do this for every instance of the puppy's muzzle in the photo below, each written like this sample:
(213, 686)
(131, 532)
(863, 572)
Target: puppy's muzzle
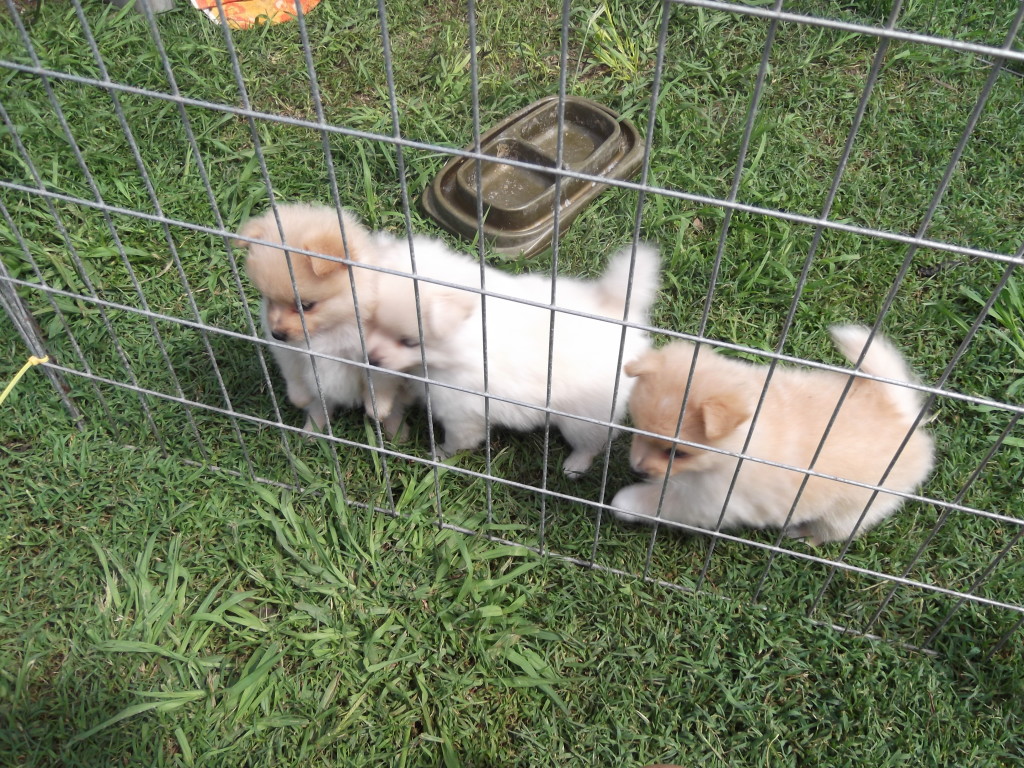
(640, 472)
(279, 335)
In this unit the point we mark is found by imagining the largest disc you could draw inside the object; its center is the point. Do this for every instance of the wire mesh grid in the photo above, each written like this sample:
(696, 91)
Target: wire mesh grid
(131, 162)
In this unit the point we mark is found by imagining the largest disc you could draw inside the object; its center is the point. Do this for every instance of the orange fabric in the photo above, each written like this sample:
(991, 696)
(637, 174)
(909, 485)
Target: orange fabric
(242, 14)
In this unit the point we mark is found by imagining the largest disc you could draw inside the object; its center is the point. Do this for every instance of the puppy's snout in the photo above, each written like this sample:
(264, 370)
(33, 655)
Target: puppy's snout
(639, 471)
(279, 335)
(374, 359)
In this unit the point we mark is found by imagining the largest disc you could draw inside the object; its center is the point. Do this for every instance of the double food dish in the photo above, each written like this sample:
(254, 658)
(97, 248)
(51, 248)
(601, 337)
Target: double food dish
(519, 201)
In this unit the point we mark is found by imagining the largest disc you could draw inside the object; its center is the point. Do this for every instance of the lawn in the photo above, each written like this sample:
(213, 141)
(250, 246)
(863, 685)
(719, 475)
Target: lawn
(190, 582)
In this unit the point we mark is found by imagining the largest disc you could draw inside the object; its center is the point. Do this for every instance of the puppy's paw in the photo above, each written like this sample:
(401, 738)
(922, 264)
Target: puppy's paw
(813, 533)
(380, 404)
(316, 422)
(445, 452)
(629, 505)
(298, 395)
(460, 438)
(382, 411)
(798, 531)
(577, 463)
(630, 519)
(394, 426)
(300, 402)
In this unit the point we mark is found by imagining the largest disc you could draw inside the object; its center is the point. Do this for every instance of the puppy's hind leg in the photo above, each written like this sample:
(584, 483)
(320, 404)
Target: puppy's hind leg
(839, 523)
(821, 531)
(803, 532)
(316, 416)
(387, 401)
(394, 426)
(587, 440)
(577, 463)
(462, 434)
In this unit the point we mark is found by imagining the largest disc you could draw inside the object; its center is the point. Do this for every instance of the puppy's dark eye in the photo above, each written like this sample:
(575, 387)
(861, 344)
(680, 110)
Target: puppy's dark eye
(680, 452)
(307, 306)
(409, 341)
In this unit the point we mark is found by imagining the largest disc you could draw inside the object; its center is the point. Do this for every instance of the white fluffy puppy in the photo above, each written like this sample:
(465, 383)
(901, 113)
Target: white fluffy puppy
(322, 299)
(584, 362)
(869, 428)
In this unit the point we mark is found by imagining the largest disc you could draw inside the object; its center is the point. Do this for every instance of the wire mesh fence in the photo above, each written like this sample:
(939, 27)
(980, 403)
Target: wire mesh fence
(802, 165)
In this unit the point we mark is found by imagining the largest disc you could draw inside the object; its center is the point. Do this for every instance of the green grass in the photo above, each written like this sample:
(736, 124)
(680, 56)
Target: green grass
(172, 615)
(156, 614)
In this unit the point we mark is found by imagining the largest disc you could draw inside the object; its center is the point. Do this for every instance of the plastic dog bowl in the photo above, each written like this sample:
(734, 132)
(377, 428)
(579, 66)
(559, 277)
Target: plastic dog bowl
(518, 202)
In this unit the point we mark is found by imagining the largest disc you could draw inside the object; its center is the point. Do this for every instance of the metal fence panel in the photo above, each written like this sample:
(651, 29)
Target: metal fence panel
(126, 178)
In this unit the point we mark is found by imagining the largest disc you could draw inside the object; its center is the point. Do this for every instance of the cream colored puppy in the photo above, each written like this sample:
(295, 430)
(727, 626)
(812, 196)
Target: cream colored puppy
(321, 299)
(872, 422)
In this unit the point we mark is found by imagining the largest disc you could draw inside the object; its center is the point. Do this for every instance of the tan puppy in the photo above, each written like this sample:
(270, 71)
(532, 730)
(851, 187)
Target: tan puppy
(321, 298)
(871, 424)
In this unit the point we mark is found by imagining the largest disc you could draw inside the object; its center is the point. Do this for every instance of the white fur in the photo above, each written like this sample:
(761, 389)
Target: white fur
(341, 384)
(584, 364)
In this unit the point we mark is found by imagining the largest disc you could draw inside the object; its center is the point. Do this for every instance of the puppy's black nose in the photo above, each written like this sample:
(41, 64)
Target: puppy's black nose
(639, 473)
(374, 360)
(279, 335)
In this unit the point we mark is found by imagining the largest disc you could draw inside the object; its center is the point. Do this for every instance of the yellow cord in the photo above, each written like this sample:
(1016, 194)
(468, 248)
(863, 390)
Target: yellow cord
(17, 377)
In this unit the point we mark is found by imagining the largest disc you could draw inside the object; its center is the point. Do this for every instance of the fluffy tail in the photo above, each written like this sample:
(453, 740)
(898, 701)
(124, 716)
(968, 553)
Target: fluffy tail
(882, 359)
(614, 283)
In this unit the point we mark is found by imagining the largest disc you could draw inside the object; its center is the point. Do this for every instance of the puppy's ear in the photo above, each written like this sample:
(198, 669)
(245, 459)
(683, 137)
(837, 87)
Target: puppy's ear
(722, 413)
(329, 244)
(642, 365)
(447, 308)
